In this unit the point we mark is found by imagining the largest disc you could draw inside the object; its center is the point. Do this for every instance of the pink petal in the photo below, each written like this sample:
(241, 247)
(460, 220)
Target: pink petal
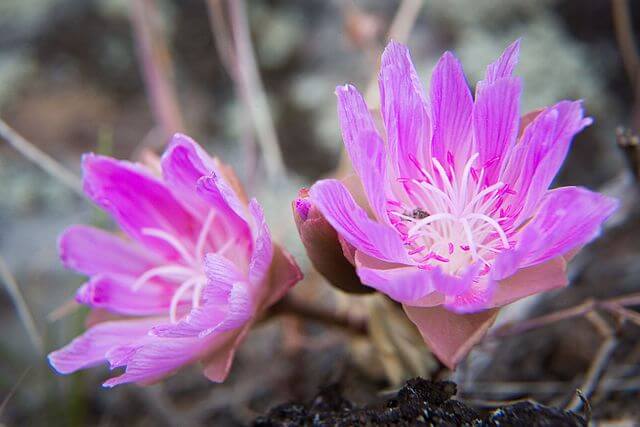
(136, 200)
(535, 160)
(474, 299)
(530, 281)
(568, 217)
(495, 123)
(156, 359)
(502, 67)
(262, 248)
(218, 364)
(284, 273)
(404, 110)
(364, 146)
(220, 196)
(401, 283)
(183, 164)
(352, 222)
(224, 296)
(114, 293)
(90, 348)
(450, 336)
(451, 111)
(91, 251)
(454, 285)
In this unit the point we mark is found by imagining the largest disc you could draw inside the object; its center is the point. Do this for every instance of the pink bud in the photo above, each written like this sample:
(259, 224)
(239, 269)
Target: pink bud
(323, 246)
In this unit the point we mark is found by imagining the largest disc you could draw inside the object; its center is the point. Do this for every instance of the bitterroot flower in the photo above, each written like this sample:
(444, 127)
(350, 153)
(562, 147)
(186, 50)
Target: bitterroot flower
(458, 219)
(195, 270)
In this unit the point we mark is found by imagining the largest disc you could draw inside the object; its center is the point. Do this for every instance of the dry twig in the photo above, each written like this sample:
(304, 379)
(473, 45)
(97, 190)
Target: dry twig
(629, 50)
(14, 389)
(157, 68)
(595, 373)
(40, 158)
(612, 304)
(21, 306)
(237, 54)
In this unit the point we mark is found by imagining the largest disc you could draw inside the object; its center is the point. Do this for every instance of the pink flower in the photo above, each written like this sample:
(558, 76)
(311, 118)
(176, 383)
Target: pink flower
(196, 268)
(458, 219)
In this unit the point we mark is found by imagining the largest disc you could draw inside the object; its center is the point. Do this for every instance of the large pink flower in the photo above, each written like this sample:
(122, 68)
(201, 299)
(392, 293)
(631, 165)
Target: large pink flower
(458, 218)
(196, 269)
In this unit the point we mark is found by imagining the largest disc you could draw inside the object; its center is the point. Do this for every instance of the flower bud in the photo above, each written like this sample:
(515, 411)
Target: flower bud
(323, 246)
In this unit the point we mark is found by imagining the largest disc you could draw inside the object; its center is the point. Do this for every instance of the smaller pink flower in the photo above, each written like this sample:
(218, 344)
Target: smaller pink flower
(195, 271)
(453, 217)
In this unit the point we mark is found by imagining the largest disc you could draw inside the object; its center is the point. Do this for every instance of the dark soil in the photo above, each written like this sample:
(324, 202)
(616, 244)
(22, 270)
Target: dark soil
(419, 403)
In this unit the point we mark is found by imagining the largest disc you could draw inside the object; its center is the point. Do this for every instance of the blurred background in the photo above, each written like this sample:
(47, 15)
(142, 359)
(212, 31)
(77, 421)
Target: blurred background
(253, 81)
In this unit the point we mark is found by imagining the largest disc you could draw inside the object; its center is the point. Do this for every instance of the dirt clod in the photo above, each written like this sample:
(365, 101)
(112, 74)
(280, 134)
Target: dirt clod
(419, 403)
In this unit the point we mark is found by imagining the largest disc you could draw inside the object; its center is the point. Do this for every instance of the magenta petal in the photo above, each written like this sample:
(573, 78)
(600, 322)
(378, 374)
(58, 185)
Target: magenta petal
(568, 217)
(453, 285)
(221, 197)
(400, 283)
(90, 348)
(496, 115)
(136, 200)
(90, 251)
(450, 336)
(218, 364)
(451, 111)
(364, 146)
(155, 359)
(183, 164)
(114, 293)
(405, 111)
(476, 298)
(263, 247)
(537, 157)
(352, 222)
(530, 281)
(240, 310)
(502, 67)
(224, 296)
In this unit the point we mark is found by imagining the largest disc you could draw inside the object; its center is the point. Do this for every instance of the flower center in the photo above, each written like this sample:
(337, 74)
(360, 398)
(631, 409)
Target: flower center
(450, 219)
(188, 272)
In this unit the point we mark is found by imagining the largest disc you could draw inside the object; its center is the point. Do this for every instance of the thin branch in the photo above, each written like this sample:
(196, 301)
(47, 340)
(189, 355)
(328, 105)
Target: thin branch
(629, 50)
(40, 158)
(156, 63)
(226, 52)
(221, 37)
(14, 389)
(538, 322)
(625, 313)
(595, 373)
(21, 306)
(612, 304)
(316, 313)
(626, 39)
(253, 90)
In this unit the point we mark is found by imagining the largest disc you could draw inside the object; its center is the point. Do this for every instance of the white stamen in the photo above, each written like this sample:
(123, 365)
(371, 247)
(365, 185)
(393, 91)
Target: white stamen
(465, 175)
(443, 175)
(204, 233)
(171, 271)
(496, 226)
(177, 296)
(171, 240)
(428, 220)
